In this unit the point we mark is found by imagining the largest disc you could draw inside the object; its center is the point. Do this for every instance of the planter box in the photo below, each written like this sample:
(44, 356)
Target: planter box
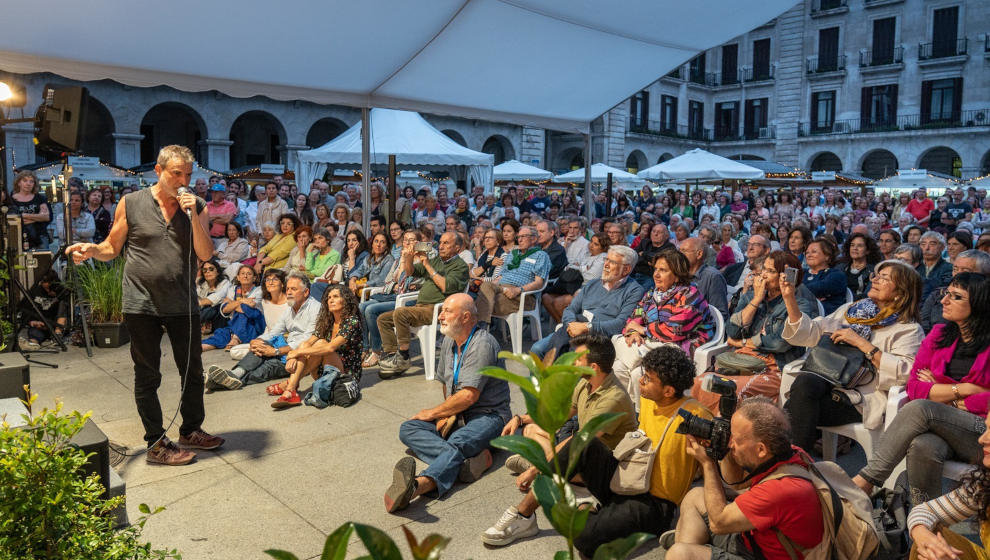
(109, 335)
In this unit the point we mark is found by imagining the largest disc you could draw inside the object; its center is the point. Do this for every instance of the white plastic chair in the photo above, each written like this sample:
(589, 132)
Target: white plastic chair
(701, 353)
(849, 296)
(516, 318)
(427, 334)
(370, 291)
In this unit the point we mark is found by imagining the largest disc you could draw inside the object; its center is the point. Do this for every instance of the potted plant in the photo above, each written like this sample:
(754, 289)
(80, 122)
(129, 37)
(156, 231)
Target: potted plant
(102, 286)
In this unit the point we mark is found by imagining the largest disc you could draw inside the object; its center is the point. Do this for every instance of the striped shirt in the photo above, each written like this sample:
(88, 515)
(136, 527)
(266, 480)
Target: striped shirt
(535, 265)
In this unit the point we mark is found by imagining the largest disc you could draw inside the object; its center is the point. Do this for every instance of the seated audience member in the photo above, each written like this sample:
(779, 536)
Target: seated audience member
(297, 256)
(667, 374)
(355, 253)
(489, 258)
(525, 268)
(707, 278)
(373, 270)
(575, 245)
(957, 242)
(443, 275)
(967, 261)
(934, 270)
(600, 307)
(756, 329)
(211, 287)
(648, 250)
(273, 299)
(729, 252)
(557, 297)
(673, 312)
(335, 343)
(52, 300)
(266, 357)
(828, 284)
(321, 256)
(242, 307)
(883, 326)
(232, 250)
(546, 239)
(396, 282)
(757, 250)
(887, 241)
(481, 402)
(710, 526)
(862, 254)
(909, 253)
(949, 392)
(275, 253)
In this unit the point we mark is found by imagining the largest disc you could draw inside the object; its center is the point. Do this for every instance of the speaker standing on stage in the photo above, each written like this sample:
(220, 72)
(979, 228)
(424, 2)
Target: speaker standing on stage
(159, 272)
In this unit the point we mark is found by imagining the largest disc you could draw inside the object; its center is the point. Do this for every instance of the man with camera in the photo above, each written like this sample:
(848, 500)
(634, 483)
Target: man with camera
(753, 524)
(667, 373)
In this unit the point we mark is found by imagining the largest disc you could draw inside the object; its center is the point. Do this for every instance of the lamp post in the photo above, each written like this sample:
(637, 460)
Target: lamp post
(5, 95)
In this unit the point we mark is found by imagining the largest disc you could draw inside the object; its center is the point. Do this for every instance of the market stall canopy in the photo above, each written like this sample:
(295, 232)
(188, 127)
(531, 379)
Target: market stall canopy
(514, 170)
(484, 59)
(915, 178)
(199, 172)
(404, 134)
(981, 182)
(700, 165)
(599, 174)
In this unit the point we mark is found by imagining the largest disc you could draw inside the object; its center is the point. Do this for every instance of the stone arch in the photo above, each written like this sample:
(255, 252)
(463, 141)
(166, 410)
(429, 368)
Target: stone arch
(664, 157)
(324, 130)
(985, 164)
(500, 147)
(171, 123)
(455, 136)
(941, 159)
(744, 157)
(636, 161)
(878, 164)
(825, 161)
(257, 136)
(569, 159)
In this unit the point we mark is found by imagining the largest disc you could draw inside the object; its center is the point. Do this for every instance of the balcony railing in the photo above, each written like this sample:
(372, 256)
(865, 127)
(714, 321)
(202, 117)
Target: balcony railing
(676, 73)
(817, 65)
(923, 121)
(760, 133)
(928, 51)
(747, 74)
(872, 58)
(818, 6)
(698, 76)
(657, 128)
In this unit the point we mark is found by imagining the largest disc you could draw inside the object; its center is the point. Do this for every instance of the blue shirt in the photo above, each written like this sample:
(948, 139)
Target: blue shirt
(537, 264)
(829, 286)
(610, 309)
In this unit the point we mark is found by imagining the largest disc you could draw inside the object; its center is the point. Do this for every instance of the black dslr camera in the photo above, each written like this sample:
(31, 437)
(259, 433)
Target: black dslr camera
(715, 430)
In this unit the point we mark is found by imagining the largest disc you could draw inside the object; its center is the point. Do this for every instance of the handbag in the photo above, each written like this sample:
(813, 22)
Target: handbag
(334, 274)
(840, 364)
(569, 282)
(735, 363)
(636, 454)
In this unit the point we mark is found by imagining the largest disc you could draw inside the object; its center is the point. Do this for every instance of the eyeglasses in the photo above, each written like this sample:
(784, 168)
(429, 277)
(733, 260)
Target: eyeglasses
(525, 235)
(209, 269)
(875, 278)
(272, 279)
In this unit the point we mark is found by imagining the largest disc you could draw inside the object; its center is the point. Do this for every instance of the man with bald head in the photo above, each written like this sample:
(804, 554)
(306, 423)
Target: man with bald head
(477, 403)
(443, 274)
(707, 278)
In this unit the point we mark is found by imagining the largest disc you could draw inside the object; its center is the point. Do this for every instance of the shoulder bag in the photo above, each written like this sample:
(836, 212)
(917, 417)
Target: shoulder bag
(840, 364)
(636, 454)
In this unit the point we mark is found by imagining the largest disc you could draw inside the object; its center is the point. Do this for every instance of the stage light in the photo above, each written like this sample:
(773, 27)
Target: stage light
(5, 93)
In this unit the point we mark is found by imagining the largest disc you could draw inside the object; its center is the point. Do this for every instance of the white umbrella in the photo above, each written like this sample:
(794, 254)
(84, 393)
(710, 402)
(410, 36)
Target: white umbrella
(514, 170)
(599, 174)
(698, 164)
(926, 180)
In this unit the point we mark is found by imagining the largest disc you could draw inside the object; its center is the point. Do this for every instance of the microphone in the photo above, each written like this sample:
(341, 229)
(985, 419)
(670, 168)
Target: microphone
(184, 190)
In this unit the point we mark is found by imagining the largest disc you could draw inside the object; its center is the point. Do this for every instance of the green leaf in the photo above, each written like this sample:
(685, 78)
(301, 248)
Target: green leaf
(579, 370)
(568, 358)
(547, 494)
(562, 555)
(380, 546)
(335, 547)
(535, 367)
(430, 549)
(620, 549)
(569, 519)
(281, 554)
(554, 407)
(523, 382)
(583, 437)
(529, 449)
(143, 508)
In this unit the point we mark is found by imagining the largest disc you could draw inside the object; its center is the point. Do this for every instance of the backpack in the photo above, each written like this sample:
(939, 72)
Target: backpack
(346, 391)
(847, 513)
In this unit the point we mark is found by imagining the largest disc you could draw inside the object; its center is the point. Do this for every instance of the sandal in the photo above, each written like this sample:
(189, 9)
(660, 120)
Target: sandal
(371, 360)
(275, 389)
(288, 399)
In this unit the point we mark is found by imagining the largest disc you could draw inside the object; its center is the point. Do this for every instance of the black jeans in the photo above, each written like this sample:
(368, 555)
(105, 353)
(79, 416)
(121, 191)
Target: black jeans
(146, 351)
(619, 516)
(811, 405)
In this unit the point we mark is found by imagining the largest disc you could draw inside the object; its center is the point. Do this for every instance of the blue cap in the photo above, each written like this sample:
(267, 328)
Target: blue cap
(217, 187)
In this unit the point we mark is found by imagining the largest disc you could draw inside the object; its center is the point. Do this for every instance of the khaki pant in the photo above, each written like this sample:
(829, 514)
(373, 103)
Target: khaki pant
(394, 325)
(491, 301)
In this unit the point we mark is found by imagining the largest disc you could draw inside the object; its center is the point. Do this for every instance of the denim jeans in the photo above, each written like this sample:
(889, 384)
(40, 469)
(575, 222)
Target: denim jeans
(558, 339)
(370, 310)
(444, 457)
(259, 370)
(928, 433)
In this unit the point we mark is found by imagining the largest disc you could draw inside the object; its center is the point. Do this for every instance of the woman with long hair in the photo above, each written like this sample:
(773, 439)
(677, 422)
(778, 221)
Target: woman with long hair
(303, 210)
(355, 252)
(33, 208)
(82, 224)
(375, 267)
(883, 326)
(949, 390)
(378, 205)
(102, 218)
(862, 254)
(211, 287)
(334, 348)
(786, 208)
(510, 228)
(957, 242)
(242, 308)
(275, 253)
(825, 282)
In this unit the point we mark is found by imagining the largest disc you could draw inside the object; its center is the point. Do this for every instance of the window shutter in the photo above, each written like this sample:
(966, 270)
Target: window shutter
(957, 99)
(926, 102)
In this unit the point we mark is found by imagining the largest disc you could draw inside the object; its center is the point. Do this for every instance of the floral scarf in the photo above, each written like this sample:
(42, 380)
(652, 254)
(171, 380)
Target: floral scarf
(865, 315)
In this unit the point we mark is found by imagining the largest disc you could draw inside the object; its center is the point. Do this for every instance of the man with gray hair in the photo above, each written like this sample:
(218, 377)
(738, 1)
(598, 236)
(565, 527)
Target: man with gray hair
(909, 253)
(934, 270)
(709, 280)
(525, 269)
(575, 244)
(601, 306)
(546, 238)
(971, 260)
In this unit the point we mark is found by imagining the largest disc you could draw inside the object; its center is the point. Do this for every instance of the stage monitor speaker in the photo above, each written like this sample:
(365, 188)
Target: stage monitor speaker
(32, 266)
(61, 117)
(14, 375)
(92, 440)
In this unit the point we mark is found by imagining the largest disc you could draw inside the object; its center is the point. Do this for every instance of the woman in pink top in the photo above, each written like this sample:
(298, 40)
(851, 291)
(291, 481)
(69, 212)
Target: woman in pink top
(949, 391)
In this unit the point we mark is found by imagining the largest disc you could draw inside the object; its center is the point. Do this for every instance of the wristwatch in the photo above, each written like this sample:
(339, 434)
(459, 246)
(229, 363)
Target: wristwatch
(871, 353)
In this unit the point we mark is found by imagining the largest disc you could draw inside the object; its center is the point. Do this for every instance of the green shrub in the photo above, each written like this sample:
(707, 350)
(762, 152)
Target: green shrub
(49, 511)
(102, 286)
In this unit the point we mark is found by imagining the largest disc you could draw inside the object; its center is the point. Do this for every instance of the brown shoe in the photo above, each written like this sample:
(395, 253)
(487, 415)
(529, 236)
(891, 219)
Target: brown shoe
(200, 440)
(167, 453)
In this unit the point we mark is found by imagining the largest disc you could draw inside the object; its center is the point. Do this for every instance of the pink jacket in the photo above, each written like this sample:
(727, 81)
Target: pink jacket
(937, 359)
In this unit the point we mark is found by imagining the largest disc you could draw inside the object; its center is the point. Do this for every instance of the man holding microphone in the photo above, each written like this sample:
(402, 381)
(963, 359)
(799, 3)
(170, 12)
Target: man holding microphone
(164, 246)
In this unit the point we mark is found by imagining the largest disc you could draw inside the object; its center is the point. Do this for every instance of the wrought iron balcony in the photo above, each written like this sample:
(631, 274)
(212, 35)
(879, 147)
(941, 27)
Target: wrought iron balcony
(819, 6)
(873, 58)
(656, 128)
(921, 121)
(747, 74)
(928, 51)
(818, 65)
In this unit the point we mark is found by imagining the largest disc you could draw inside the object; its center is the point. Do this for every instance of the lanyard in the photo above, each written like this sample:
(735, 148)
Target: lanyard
(457, 361)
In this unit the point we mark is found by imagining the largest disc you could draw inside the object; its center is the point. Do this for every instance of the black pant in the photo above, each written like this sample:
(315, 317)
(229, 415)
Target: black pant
(619, 516)
(146, 351)
(811, 405)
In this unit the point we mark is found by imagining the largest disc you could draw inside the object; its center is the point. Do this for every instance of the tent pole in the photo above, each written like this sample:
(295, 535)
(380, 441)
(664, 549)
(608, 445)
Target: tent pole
(392, 196)
(589, 199)
(608, 195)
(365, 166)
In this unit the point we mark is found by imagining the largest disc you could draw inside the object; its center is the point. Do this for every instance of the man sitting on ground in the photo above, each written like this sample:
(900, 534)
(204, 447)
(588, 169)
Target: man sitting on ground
(526, 268)
(601, 306)
(265, 359)
(712, 527)
(478, 402)
(668, 372)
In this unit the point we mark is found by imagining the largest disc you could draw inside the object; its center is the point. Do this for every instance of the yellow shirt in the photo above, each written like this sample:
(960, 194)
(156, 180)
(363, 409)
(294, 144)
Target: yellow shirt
(673, 468)
(278, 249)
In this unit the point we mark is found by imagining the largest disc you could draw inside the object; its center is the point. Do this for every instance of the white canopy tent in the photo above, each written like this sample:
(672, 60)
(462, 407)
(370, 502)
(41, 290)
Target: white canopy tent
(981, 182)
(407, 135)
(599, 174)
(514, 170)
(912, 179)
(699, 165)
(199, 172)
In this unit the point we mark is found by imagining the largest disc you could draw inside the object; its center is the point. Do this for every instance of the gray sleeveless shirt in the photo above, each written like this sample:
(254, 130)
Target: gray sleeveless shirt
(160, 263)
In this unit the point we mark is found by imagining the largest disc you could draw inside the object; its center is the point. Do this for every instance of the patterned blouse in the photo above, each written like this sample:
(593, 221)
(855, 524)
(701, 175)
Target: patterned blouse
(350, 351)
(679, 316)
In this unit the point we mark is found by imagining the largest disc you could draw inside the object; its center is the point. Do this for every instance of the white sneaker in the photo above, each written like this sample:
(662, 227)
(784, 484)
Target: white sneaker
(516, 464)
(510, 527)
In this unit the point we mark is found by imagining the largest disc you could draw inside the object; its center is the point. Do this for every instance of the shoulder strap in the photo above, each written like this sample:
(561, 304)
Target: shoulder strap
(811, 474)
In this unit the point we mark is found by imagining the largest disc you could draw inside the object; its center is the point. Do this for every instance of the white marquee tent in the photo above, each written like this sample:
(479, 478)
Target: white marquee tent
(599, 174)
(699, 165)
(514, 170)
(407, 135)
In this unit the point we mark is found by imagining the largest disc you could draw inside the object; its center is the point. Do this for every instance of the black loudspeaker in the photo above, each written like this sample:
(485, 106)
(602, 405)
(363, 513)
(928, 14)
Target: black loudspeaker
(14, 375)
(61, 117)
(93, 441)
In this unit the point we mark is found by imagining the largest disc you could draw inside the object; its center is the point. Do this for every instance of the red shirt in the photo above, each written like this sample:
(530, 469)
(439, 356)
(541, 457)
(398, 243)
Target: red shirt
(920, 209)
(223, 209)
(788, 504)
